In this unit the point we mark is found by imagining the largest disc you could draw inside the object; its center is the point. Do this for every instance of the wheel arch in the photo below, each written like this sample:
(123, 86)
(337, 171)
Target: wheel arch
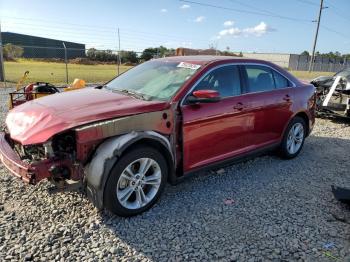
(156, 144)
(107, 154)
(306, 118)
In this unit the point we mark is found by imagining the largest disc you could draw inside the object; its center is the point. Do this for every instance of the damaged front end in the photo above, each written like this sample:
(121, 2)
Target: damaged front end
(332, 96)
(69, 157)
(54, 159)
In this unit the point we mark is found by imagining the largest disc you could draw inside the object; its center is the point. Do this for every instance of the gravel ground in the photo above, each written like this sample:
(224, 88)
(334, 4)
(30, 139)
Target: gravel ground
(277, 210)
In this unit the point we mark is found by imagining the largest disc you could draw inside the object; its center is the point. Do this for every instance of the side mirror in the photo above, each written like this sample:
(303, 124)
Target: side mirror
(204, 96)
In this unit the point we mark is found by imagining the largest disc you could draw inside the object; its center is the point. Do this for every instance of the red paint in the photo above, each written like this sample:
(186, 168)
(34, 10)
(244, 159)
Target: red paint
(206, 94)
(59, 112)
(12, 161)
(205, 133)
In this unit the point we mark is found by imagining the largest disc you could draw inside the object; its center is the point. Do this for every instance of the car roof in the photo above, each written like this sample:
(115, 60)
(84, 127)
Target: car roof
(206, 59)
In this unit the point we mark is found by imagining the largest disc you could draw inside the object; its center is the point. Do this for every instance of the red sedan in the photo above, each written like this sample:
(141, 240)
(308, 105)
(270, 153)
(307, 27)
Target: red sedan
(158, 122)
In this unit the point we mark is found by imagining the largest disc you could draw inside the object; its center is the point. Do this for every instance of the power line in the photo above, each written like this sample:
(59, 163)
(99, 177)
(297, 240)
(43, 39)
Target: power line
(247, 11)
(254, 7)
(270, 13)
(331, 7)
(338, 11)
(308, 2)
(88, 28)
(72, 34)
(334, 31)
(132, 39)
(58, 22)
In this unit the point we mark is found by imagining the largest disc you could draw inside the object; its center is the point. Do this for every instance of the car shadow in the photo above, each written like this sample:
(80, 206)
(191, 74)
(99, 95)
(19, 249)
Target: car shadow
(287, 200)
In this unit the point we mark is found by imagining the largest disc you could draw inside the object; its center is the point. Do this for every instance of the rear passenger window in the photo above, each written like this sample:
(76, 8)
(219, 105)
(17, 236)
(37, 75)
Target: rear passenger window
(224, 79)
(259, 78)
(280, 81)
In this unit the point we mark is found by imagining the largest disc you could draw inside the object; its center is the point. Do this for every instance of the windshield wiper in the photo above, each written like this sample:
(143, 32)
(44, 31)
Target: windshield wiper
(101, 86)
(132, 93)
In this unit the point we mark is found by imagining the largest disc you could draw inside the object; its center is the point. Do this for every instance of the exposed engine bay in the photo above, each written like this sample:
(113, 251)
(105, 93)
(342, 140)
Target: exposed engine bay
(61, 146)
(333, 94)
(57, 156)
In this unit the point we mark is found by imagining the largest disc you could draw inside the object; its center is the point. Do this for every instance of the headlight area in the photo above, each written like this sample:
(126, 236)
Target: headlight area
(54, 159)
(65, 167)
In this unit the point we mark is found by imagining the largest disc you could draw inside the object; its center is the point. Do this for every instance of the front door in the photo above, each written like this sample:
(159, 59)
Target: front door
(216, 131)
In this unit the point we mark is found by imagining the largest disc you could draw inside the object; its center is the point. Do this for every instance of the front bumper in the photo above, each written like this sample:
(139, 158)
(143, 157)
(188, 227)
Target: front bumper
(35, 172)
(13, 163)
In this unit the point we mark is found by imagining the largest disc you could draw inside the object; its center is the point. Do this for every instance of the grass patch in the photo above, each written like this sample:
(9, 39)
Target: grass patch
(54, 72)
(305, 75)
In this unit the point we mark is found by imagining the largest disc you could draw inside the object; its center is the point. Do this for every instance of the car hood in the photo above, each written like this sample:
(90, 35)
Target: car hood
(38, 120)
(322, 80)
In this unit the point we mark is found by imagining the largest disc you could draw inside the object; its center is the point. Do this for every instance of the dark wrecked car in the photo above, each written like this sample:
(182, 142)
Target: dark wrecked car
(333, 94)
(158, 122)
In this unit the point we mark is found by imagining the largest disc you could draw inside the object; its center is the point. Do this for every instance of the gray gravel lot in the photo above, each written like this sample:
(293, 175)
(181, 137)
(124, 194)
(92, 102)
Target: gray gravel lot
(281, 210)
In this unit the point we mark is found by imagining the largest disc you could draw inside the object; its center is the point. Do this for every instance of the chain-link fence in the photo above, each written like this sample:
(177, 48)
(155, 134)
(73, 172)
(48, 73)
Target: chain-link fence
(302, 62)
(321, 63)
(63, 65)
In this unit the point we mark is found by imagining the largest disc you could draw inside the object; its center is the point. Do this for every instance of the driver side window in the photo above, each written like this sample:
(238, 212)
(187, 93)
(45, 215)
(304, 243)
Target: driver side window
(225, 80)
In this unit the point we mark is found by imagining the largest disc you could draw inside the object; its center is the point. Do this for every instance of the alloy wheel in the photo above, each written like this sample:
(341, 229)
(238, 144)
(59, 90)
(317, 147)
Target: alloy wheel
(139, 183)
(295, 138)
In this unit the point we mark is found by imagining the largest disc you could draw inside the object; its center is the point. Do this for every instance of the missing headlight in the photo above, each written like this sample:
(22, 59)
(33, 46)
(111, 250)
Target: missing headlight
(64, 143)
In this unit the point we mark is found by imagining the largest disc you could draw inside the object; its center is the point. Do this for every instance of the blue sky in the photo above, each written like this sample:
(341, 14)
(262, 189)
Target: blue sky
(174, 23)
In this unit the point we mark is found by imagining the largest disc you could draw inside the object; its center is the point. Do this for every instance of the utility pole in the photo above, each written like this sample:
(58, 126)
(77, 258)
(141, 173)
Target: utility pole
(118, 50)
(2, 70)
(311, 64)
(66, 60)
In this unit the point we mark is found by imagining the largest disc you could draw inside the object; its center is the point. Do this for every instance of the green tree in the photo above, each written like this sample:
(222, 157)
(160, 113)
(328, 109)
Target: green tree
(91, 53)
(162, 51)
(101, 55)
(155, 52)
(12, 52)
(149, 53)
(306, 53)
(128, 57)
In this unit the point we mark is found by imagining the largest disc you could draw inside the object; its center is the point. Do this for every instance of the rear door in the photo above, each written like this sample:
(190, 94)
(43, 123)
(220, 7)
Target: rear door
(270, 94)
(215, 131)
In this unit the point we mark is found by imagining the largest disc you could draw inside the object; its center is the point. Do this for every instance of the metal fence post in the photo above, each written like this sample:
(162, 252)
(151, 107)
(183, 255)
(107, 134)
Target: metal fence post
(118, 57)
(297, 68)
(66, 61)
(2, 71)
(2, 68)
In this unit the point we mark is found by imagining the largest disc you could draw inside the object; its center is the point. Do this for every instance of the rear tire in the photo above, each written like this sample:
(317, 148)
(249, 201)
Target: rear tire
(136, 182)
(293, 138)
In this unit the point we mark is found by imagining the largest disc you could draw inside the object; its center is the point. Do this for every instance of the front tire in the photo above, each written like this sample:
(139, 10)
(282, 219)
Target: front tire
(136, 181)
(293, 138)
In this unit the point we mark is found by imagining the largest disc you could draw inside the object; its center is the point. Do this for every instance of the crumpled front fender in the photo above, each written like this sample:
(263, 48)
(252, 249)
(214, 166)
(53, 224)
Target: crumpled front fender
(97, 171)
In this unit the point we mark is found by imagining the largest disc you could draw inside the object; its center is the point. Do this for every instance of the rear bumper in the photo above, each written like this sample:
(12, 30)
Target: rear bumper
(13, 163)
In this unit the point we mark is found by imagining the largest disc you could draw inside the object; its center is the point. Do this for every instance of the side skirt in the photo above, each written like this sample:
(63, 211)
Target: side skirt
(227, 162)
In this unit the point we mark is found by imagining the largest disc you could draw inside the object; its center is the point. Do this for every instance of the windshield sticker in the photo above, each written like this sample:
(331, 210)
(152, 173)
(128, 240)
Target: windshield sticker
(188, 65)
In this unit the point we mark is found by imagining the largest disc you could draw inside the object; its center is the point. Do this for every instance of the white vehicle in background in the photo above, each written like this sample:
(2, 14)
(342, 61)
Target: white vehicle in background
(333, 94)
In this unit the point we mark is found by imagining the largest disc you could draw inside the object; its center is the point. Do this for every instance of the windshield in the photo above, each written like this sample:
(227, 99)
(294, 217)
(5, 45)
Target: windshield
(154, 80)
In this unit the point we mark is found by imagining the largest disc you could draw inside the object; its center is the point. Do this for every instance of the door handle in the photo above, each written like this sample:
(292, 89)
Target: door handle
(239, 106)
(286, 98)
